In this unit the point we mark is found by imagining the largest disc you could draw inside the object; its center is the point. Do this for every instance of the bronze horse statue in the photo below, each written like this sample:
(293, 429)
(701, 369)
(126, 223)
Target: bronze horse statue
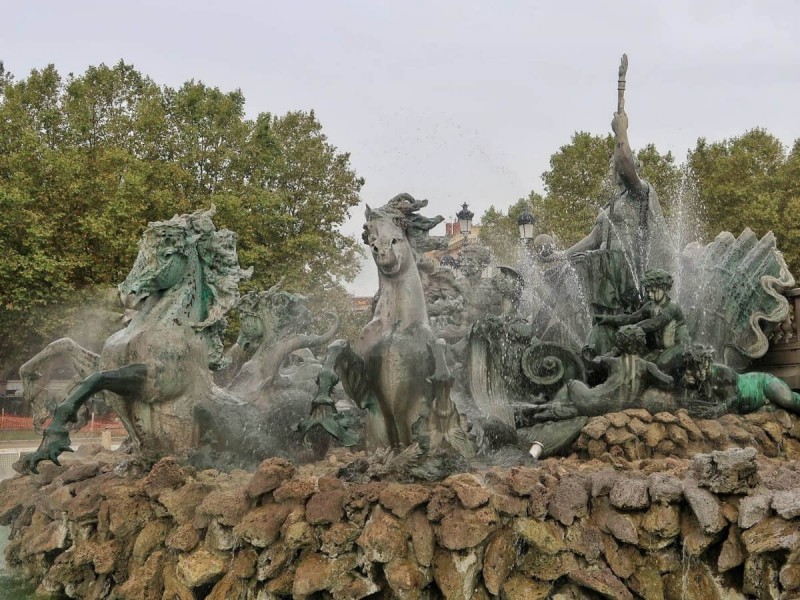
(396, 369)
(158, 369)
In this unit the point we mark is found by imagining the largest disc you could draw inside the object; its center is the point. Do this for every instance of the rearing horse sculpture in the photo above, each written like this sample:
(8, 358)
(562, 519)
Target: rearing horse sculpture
(396, 369)
(157, 369)
(184, 281)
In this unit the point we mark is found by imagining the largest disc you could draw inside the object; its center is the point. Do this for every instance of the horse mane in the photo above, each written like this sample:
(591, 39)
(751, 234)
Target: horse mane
(216, 250)
(404, 209)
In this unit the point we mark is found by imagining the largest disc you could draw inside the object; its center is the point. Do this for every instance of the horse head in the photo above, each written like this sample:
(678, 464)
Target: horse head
(271, 315)
(396, 233)
(189, 255)
(387, 240)
(165, 254)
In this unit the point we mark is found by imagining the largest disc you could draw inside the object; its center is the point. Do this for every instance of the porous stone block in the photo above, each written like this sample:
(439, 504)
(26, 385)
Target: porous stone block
(630, 494)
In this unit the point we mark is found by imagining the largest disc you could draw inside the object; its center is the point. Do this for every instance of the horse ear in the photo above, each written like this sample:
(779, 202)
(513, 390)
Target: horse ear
(368, 213)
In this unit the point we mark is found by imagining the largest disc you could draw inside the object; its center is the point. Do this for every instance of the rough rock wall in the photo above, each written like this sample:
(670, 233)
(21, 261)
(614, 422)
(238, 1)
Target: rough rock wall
(719, 524)
(635, 434)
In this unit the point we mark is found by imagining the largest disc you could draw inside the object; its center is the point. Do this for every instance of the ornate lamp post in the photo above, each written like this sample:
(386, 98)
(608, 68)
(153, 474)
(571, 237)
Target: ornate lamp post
(525, 222)
(464, 217)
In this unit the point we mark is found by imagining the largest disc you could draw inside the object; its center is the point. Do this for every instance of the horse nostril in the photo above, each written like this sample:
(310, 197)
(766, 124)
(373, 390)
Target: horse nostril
(374, 248)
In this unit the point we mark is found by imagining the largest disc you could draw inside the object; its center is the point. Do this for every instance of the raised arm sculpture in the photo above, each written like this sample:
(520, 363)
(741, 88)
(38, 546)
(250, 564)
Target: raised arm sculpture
(629, 235)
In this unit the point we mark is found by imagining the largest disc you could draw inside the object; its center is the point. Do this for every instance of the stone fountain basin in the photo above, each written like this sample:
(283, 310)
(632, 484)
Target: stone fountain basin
(642, 502)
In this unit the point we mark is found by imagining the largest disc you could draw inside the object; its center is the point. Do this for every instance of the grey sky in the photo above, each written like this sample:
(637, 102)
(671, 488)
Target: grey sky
(455, 101)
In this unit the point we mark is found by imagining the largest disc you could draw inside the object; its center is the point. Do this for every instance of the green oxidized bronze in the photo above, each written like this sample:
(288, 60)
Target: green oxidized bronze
(711, 389)
(182, 284)
(660, 318)
(157, 369)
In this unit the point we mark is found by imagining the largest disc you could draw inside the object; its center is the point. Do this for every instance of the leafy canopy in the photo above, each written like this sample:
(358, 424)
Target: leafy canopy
(745, 181)
(86, 161)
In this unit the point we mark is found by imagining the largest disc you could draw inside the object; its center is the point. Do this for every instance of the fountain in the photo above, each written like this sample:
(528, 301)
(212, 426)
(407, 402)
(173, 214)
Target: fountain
(559, 430)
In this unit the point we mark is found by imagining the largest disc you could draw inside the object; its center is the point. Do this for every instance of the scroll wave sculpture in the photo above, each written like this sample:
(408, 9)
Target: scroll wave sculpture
(736, 295)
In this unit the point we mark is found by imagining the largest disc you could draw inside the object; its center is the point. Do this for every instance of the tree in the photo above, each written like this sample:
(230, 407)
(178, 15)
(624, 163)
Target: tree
(500, 232)
(749, 181)
(87, 161)
(787, 228)
(661, 172)
(298, 192)
(578, 185)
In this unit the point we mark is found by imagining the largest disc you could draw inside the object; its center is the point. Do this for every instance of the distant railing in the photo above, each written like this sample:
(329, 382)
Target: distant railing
(95, 426)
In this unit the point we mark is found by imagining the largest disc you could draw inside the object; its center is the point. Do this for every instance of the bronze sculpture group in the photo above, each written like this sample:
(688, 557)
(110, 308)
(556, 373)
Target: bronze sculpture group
(644, 348)
(158, 369)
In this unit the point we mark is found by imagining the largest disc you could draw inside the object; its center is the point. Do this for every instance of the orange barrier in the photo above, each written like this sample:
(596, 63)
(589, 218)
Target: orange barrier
(9, 422)
(12, 423)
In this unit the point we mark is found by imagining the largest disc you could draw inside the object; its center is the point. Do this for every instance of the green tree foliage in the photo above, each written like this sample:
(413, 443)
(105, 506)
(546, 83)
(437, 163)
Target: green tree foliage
(578, 185)
(788, 226)
(87, 161)
(500, 232)
(732, 173)
(661, 172)
(750, 181)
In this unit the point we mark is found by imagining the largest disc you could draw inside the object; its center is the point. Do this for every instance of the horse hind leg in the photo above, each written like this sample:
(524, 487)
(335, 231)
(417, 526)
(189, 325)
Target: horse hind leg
(124, 381)
(123, 410)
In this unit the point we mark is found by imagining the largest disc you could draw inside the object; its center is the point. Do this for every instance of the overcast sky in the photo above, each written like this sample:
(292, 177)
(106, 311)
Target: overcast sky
(454, 101)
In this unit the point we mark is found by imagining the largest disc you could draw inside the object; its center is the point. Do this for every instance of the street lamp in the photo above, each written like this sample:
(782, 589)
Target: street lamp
(464, 217)
(525, 222)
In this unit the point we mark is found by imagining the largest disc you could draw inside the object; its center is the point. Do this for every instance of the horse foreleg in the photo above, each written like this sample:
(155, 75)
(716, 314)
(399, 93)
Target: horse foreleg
(341, 363)
(444, 422)
(124, 381)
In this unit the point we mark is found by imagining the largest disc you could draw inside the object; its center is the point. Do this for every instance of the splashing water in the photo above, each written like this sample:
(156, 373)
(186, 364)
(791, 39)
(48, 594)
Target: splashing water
(684, 228)
(11, 587)
(540, 298)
